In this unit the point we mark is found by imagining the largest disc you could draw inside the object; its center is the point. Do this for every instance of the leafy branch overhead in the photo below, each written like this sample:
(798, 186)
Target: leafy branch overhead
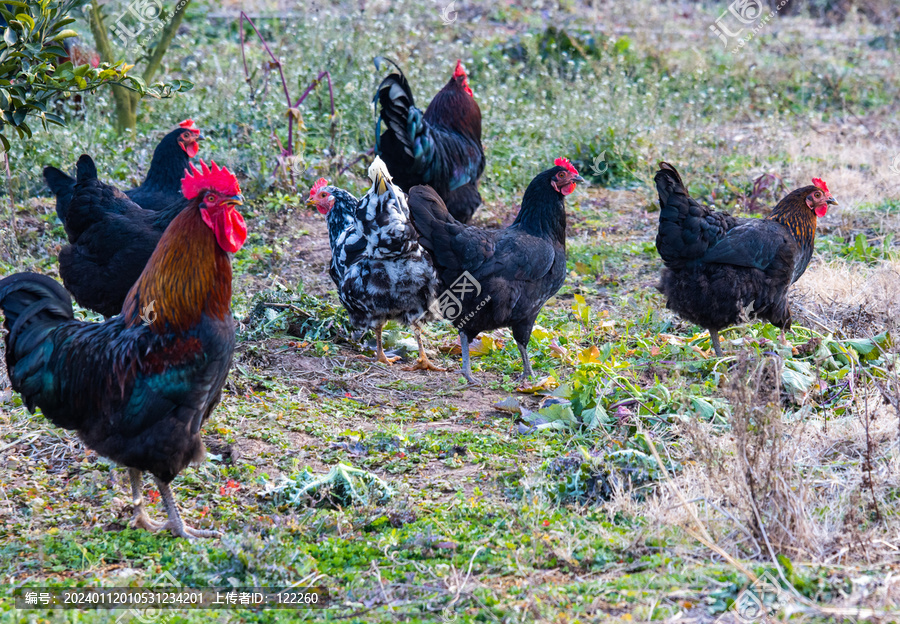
(166, 24)
(31, 76)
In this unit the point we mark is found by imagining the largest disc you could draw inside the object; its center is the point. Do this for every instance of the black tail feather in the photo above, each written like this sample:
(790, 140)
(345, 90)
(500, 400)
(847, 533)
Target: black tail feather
(33, 306)
(62, 186)
(396, 99)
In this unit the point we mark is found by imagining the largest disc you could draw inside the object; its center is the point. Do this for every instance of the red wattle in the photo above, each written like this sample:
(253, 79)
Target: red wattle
(191, 149)
(228, 226)
(323, 210)
(821, 210)
(568, 189)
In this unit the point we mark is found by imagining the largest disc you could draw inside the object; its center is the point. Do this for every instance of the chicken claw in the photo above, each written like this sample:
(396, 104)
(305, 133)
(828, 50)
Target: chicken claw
(175, 524)
(423, 363)
(379, 350)
(140, 519)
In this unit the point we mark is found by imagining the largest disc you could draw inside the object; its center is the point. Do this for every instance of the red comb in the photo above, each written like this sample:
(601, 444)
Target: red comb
(820, 183)
(216, 179)
(459, 72)
(564, 162)
(188, 124)
(320, 183)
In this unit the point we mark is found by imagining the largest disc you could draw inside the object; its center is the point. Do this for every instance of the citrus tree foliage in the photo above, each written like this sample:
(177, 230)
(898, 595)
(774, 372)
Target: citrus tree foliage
(32, 74)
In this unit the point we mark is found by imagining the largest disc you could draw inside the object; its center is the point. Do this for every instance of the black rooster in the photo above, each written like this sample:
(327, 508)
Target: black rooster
(112, 239)
(720, 269)
(441, 148)
(138, 388)
(162, 186)
(500, 278)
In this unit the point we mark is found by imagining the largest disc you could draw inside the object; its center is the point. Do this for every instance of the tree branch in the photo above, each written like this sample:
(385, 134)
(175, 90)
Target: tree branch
(165, 39)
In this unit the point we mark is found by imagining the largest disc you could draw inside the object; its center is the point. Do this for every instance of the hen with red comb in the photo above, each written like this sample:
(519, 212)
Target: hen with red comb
(380, 271)
(159, 190)
(498, 278)
(440, 147)
(720, 268)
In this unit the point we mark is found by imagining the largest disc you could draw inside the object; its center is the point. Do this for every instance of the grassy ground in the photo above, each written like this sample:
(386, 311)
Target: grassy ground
(645, 479)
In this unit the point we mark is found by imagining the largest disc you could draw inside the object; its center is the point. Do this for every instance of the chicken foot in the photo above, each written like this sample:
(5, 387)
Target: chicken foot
(527, 373)
(714, 339)
(175, 523)
(140, 519)
(466, 365)
(423, 363)
(379, 349)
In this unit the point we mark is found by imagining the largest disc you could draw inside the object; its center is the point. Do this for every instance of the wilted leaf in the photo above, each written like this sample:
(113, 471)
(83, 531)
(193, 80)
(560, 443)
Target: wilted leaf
(545, 383)
(483, 346)
(509, 404)
(591, 355)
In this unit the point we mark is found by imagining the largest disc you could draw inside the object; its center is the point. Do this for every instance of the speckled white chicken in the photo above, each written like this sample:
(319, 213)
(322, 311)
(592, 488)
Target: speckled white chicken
(380, 270)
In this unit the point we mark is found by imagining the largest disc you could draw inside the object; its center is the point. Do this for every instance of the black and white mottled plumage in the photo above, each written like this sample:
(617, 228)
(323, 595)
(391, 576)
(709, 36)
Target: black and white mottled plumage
(380, 270)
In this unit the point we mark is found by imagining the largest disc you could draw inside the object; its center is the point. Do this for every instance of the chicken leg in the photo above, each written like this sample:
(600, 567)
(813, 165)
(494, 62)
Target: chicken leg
(140, 519)
(466, 365)
(527, 373)
(714, 339)
(423, 363)
(379, 349)
(175, 523)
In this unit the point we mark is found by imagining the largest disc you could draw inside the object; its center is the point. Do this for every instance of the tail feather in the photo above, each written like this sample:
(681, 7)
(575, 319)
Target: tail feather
(399, 113)
(429, 215)
(33, 306)
(668, 183)
(85, 169)
(380, 176)
(62, 186)
(687, 229)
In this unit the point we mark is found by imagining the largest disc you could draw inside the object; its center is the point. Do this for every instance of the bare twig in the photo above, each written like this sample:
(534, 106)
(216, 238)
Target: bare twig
(292, 107)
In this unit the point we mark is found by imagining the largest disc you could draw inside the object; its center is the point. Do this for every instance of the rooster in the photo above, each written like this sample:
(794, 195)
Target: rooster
(111, 240)
(441, 148)
(720, 268)
(380, 271)
(137, 388)
(499, 278)
(162, 186)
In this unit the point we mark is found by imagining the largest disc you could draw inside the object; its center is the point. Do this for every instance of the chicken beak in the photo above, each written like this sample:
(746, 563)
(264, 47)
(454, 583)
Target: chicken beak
(236, 200)
(832, 201)
(579, 179)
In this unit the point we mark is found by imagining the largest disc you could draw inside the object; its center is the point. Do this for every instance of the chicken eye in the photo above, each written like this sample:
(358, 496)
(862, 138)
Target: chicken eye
(210, 198)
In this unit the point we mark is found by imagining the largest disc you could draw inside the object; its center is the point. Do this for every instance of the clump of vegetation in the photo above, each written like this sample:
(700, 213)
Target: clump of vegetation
(343, 486)
(295, 313)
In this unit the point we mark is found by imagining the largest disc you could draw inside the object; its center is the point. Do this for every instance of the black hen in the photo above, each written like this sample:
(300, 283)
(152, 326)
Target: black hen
(720, 269)
(162, 186)
(499, 278)
(111, 240)
(441, 148)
